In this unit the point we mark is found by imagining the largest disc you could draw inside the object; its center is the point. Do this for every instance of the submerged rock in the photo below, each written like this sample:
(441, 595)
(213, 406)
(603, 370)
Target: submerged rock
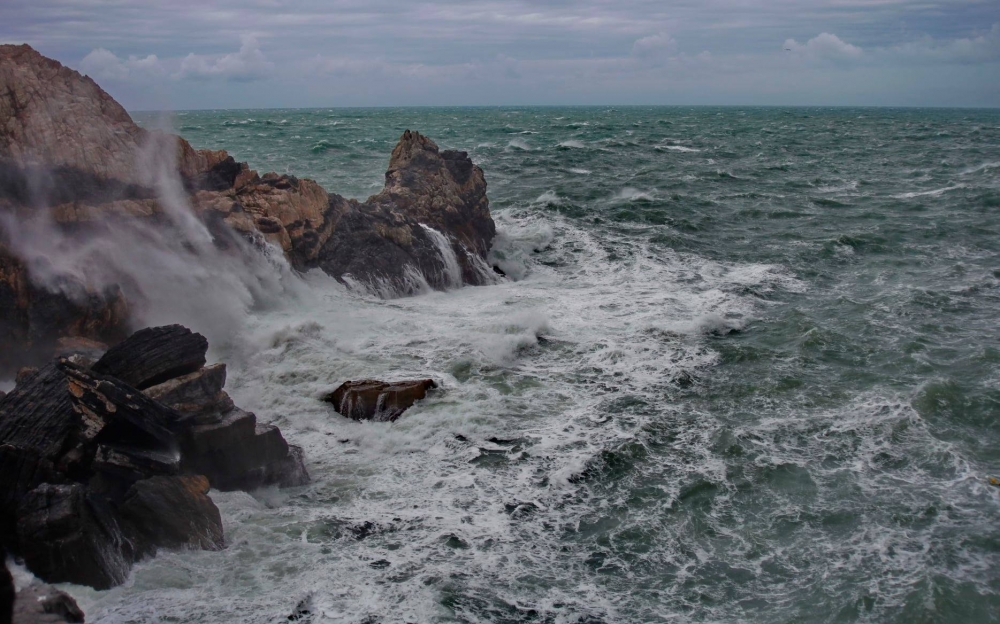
(380, 401)
(40, 603)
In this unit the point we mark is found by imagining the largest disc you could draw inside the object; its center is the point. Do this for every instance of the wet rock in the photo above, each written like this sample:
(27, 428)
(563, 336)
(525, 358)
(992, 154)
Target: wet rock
(238, 453)
(65, 536)
(375, 400)
(24, 373)
(39, 603)
(154, 355)
(303, 612)
(174, 512)
(6, 589)
(199, 393)
(431, 222)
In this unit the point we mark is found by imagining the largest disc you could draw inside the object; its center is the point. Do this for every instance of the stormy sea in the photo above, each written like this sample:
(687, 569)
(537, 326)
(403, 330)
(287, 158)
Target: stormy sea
(744, 366)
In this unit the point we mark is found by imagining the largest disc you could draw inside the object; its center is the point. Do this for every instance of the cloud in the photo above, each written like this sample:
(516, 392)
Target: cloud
(246, 65)
(654, 48)
(982, 49)
(101, 64)
(824, 46)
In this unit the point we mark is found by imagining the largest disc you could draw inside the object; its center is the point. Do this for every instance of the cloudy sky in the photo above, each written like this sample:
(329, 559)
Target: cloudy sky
(284, 53)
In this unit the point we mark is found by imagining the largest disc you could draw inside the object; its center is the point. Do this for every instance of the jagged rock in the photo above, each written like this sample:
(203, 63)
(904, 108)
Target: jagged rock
(154, 355)
(240, 454)
(380, 401)
(39, 603)
(174, 512)
(385, 242)
(199, 393)
(66, 536)
(67, 423)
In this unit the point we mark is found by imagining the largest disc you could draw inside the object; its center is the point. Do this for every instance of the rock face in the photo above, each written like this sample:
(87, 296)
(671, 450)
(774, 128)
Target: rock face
(72, 155)
(38, 603)
(96, 474)
(375, 400)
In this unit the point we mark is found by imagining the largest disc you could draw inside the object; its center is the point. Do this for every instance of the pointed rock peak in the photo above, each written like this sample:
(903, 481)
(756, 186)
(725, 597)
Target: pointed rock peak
(411, 145)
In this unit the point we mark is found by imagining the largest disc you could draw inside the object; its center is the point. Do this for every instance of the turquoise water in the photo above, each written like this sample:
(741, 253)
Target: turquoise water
(766, 390)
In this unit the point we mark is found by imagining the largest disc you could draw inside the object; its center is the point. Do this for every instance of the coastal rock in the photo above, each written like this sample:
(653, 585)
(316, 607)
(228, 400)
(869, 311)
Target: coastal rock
(380, 401)
(39, 603)
(6, 589)
(197, 394)
(237, 453)
(429, 227)
(65, 536)
(174, 512)
(154, 355)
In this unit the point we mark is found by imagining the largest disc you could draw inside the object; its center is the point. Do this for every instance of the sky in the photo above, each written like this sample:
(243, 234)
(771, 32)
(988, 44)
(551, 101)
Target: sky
(200, 54)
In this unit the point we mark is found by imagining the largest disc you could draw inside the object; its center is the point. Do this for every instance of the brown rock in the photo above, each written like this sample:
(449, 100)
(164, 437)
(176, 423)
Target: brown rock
(39, 603)
(379, 401)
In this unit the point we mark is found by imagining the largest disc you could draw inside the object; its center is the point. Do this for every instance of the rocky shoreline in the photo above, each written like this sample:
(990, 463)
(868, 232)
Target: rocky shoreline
(112, 438)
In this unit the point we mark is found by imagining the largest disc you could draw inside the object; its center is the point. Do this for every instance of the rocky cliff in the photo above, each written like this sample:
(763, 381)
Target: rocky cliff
(72, 157)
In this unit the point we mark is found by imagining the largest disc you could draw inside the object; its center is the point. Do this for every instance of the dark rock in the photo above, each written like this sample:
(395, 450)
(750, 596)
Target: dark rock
(380, 401)
(154, 355)
(6, 589)
(39, 603)
(174, 512)
(303, 612)
(385, 242)
(80, 351)
(198, 393)
(65, 536)
(65, 423)
(237, 453)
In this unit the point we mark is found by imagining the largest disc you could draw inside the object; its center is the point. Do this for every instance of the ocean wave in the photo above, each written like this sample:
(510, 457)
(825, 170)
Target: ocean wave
(675, 148)
(518, 144)
(571, 144)
(931, 193)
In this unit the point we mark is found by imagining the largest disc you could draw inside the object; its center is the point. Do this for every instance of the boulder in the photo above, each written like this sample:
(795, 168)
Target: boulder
(238, 453)
(375, 400)
(154, 355)
(198, 394)
(40, 603)
(66, 536)
(174, 512)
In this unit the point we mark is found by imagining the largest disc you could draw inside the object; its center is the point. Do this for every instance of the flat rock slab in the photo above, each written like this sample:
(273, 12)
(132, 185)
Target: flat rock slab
(154, 355)
(379, 401)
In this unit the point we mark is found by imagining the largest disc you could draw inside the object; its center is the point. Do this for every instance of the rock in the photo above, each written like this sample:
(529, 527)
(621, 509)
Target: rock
(240, 454)
(197, 393)
(375, 400)
(154, 355)
(174, 512)
(66, 536)
(386, 243)
(6, 589)
(39, 603)
(65, 423)
(33, 316)
(80, 351)
(24, 373)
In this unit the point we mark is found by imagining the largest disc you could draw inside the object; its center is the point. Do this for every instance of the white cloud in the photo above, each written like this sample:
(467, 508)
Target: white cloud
(824, 46)
(246, 65)
(101, 64)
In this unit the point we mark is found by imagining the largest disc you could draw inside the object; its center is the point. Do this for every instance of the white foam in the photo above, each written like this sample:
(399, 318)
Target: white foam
(572, 144)
(452, 272)
(932, 193)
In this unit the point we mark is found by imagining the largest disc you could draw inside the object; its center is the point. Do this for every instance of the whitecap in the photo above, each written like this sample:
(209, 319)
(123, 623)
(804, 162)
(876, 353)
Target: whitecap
(931, 193)
(572, 144)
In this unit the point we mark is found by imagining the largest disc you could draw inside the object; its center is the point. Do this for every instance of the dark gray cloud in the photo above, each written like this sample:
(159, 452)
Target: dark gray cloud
(189, 53)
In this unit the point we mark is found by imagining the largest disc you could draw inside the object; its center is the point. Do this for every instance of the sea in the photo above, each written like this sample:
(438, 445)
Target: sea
(744, 367)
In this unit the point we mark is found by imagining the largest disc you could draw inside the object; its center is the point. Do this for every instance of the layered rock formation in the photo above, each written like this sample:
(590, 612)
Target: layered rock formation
(96, 473)
(71, 155)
